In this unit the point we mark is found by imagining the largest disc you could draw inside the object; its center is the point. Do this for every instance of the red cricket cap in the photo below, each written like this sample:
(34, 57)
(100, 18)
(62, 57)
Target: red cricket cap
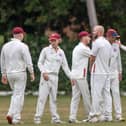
(112, 32)
(17, 30)
(54, 36)
(83, 33)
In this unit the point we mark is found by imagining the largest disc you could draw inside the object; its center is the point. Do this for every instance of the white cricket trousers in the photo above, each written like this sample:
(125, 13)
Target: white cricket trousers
(17, 82)
(80, 88)
(48, 88)
(101, 97)
(114, 84)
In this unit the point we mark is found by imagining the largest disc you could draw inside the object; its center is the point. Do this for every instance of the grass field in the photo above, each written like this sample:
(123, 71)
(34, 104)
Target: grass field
(63, 109)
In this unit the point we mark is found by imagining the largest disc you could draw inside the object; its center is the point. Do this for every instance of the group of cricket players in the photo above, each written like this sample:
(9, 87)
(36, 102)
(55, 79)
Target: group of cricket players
(105, 75)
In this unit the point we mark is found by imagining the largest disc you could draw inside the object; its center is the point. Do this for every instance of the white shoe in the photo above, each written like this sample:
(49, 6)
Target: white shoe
(101, 118)
(105, 119)
(108, 119)
(74, 121)
(57, 121)
(120, 119)
(16, 121)
(37, 120)
(93, 119)
(86, 120)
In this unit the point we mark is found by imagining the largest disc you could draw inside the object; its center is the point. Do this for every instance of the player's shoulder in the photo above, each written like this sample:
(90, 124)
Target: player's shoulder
(78, 46)
(45, 49)
(6, 45)
(23, 45)
(101, 39)
(61, 50)
(99, 42)
(84, 47)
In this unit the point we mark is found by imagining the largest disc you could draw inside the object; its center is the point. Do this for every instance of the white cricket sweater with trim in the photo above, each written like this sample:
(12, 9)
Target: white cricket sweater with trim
(15, 57)
(50, 61)
(115, 64)
(80, 57)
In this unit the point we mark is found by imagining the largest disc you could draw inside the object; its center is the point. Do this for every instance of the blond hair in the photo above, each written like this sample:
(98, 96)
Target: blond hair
(100, 29)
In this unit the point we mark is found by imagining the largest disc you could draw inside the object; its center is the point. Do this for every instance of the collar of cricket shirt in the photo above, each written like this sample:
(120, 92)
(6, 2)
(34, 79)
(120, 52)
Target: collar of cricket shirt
(53, 48)
(14, 39)
(82, 44)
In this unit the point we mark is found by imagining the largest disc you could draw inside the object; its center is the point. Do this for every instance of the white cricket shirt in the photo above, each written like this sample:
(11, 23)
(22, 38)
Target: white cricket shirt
(101, 49)
(15, 57)
(115, 64)
(50, 61)
(80, 56)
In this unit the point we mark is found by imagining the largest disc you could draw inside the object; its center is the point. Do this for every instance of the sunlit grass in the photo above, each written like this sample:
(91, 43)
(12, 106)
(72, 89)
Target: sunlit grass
(63, 109)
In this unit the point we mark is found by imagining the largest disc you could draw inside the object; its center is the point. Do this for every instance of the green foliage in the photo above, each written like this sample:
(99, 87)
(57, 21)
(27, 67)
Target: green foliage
(36, 15)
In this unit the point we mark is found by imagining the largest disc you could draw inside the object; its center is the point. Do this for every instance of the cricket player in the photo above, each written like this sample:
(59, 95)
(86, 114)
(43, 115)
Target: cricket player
(80, 56)
(116, 73)
(50, 60)
(100, 70)
(15, 58)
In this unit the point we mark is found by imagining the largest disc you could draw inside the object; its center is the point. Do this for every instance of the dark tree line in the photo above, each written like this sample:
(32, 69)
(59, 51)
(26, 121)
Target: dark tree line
(68, 17)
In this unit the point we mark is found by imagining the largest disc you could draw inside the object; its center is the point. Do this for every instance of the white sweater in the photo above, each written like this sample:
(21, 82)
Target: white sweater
(115, 64)
(15, 57)
(80, 56)
(50, 61)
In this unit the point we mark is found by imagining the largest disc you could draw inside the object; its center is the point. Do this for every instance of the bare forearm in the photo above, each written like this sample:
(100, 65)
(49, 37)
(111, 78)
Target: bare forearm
(92, 60)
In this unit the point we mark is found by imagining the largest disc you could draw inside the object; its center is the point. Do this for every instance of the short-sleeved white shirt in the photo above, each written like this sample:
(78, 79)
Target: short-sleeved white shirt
(101, 48)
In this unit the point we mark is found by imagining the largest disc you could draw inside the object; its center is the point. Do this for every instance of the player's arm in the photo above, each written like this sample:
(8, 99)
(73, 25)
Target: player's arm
(66, 67)
(119, 66)
(3, 68)
(92, 60)
(28, 61)
(95, 49)
(123, 47)
(86, 52)
(41, 61)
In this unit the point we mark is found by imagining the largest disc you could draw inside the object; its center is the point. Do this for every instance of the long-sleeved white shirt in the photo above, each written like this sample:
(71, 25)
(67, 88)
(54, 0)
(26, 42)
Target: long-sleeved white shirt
(50, 61)
(123, 47)
(80, 56)
(15, 57)
(115, 64)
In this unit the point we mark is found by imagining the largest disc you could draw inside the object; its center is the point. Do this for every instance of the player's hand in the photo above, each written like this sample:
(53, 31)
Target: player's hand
(45, 76)
(73, 82)
(4, 79)
(120, 76)
(32, 76)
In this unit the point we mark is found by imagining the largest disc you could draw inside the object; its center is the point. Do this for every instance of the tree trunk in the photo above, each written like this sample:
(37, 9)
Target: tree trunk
(91, 13)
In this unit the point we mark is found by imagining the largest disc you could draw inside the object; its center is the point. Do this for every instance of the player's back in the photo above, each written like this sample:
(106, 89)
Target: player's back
(103, 56)
(13, 53)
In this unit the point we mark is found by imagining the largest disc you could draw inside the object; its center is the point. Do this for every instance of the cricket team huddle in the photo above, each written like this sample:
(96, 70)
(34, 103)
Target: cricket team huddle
(105, 68)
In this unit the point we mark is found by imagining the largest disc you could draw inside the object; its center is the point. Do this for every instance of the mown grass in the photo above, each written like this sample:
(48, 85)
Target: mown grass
(63, 109)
